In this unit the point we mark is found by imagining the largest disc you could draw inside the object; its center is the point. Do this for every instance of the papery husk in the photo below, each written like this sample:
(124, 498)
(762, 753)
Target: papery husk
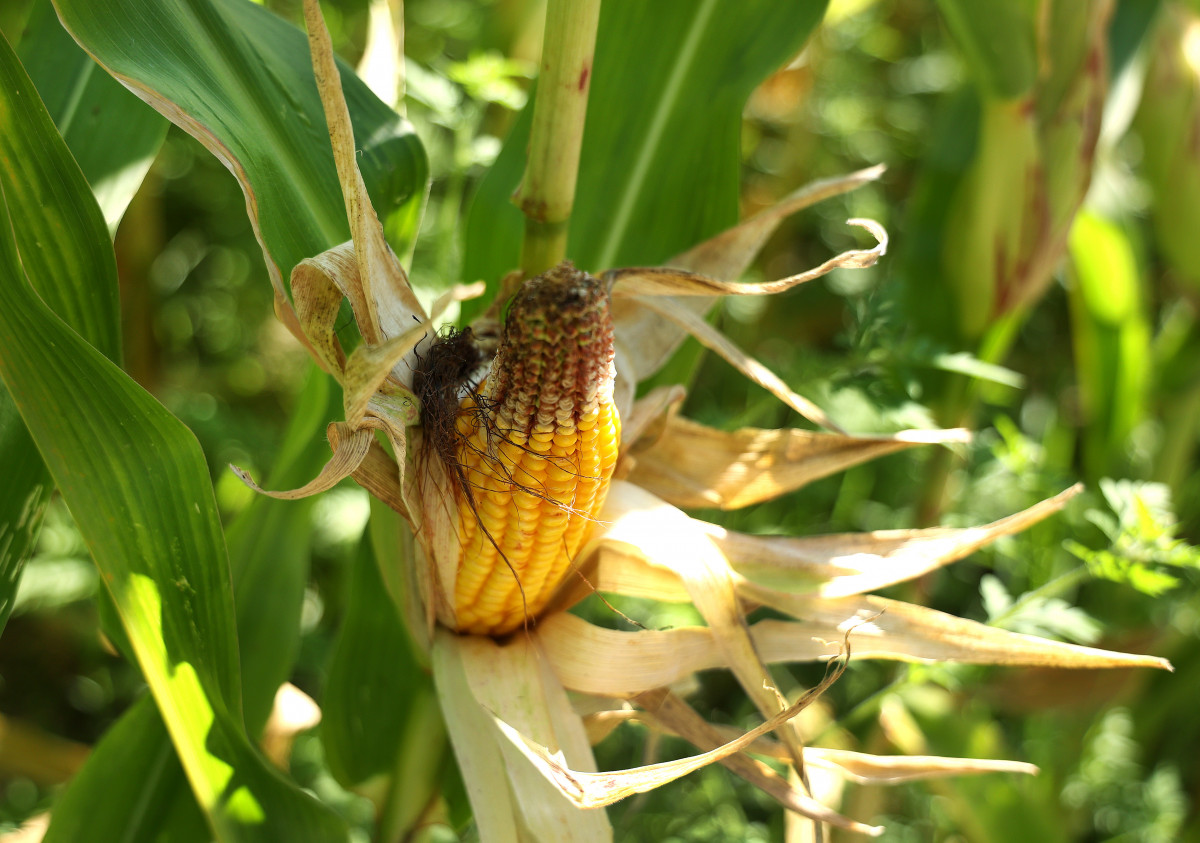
(489, 692)
(588, 789)
(670, 712)
(834, 565)
(842, 564)
(645, 421)
(637, 520)
(646, 541)
(612, 663)
(693, 466)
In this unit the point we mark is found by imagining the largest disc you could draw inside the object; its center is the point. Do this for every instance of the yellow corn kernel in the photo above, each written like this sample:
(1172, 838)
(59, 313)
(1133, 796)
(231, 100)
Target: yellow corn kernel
(538, 460)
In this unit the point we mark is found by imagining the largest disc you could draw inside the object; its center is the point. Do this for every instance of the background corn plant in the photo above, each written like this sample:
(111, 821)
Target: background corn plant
(1063, 327)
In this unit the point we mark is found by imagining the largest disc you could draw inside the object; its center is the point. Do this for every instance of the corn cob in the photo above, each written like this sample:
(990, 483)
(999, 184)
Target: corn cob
(536, 447)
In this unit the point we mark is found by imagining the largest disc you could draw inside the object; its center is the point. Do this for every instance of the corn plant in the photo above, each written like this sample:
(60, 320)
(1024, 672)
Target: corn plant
(521, 462)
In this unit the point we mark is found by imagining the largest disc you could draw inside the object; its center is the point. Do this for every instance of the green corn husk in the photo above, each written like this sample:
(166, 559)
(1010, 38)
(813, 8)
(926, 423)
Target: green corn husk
(1012, 209)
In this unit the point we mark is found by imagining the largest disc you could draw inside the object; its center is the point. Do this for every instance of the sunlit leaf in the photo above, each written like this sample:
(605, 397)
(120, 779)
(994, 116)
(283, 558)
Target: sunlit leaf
(268, 546)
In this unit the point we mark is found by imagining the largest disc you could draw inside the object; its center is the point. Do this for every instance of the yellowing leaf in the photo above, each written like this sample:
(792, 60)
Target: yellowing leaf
(389, 303)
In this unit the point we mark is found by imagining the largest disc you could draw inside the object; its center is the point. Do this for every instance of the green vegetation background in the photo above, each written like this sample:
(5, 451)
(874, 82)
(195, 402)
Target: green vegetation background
(881, 82)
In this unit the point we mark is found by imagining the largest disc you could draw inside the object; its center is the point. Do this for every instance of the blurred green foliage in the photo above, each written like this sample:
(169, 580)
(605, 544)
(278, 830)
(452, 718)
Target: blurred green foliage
(883, 81)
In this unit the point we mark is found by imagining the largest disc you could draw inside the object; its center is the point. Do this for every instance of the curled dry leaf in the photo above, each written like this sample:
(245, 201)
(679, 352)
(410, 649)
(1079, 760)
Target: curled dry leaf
(377, 377)
(649, 339)
(730, 253)
(350, 448)
(665, 281)
(389, 302)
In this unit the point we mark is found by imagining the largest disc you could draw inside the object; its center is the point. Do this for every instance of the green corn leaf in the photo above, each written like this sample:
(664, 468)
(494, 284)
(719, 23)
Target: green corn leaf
(239, 79)
(66, 254)
(138, 487)
(112, 134)
(659, 170)
(268, 548)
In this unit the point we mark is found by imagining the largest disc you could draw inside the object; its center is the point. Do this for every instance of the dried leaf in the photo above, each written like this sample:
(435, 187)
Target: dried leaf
(858, 767)
(667, 281)
(730, 253)
(912, 633)
(897, 769)
(473, 737)
(318, 286)
(435, 522)
(369, 366)
(378, 473)
(350, 449)
(714, 340)
(457, 293)
(648, 339)
(610, 568)
(694, 466)
(593, 790)
(621, 665)
(390, 306)
(618, 664)
(672, 713)
(842, 564)
(670, 539)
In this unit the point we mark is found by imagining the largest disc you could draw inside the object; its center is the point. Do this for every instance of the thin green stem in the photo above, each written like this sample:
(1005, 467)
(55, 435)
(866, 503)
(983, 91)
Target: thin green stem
(547, 192)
